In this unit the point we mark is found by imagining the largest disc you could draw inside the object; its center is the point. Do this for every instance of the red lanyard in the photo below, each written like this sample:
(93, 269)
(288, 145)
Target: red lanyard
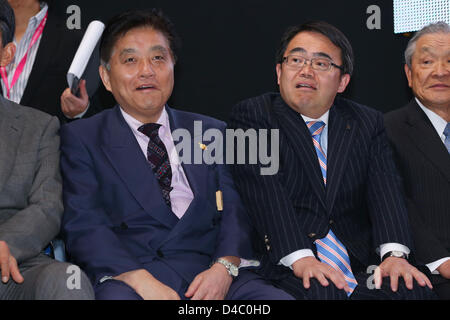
(22, 62)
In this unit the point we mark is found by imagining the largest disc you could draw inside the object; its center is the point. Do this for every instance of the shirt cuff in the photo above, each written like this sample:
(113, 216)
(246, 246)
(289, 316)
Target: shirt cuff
(386, 247)
(434, 265)
(288, 260)
(248, 263)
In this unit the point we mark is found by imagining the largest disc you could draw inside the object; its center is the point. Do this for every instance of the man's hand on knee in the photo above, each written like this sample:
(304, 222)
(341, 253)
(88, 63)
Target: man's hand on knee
(309, 267)
(8, 264)
(147, 286)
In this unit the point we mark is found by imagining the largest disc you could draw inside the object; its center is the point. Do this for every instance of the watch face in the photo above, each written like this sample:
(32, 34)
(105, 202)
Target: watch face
(234, 271)
(398, 254)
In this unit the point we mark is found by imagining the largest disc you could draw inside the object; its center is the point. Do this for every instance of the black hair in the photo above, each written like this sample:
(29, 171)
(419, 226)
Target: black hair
(120, 24)
(7, 22)
(329, 31)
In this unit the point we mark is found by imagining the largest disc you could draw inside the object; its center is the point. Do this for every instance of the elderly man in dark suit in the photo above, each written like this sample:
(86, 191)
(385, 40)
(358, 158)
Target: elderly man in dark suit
(30, 197)
(335, 206)
(420, 135)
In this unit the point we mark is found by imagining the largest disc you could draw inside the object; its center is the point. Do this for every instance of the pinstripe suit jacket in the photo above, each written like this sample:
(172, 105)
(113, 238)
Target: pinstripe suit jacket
(362, 202)
(424, 164)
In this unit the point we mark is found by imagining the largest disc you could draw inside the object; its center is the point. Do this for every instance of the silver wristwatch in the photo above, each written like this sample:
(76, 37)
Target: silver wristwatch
(232, 269)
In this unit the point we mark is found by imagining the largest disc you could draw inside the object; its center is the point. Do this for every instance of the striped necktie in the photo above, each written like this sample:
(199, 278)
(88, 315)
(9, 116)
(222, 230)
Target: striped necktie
(329, 249)
(447, 136)
(158, 158)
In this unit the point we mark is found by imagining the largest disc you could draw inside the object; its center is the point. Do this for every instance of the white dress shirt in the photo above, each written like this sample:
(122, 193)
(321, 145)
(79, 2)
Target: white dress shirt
(439, 125)
(181, 195)
(303, 253)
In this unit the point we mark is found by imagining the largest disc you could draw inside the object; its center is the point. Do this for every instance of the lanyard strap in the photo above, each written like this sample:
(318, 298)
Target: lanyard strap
(21, 65)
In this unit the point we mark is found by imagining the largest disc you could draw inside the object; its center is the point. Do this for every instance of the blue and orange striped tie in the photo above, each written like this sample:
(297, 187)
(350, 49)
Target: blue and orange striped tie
(329, 249)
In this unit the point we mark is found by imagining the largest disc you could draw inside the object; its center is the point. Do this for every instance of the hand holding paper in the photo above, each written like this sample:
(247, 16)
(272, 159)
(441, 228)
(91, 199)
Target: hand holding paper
(83, 54)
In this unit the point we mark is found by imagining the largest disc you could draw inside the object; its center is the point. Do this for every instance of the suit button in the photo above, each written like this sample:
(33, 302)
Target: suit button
(267, 242)
(312, 235)
(159, 253)
(331, 222)
(123, 226)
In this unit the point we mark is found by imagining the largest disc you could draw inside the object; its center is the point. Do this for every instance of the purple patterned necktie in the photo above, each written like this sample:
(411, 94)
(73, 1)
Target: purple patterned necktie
(158, 158)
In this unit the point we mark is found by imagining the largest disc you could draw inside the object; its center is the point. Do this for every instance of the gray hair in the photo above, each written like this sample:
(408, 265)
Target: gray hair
(106, 65)
(438, 27)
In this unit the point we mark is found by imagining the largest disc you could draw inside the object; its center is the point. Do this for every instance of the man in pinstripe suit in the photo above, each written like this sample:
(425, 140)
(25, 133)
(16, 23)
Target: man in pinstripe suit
(420, 135)
(335, 206)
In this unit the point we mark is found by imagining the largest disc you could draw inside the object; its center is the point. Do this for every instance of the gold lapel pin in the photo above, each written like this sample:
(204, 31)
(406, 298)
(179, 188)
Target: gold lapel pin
(202, 146)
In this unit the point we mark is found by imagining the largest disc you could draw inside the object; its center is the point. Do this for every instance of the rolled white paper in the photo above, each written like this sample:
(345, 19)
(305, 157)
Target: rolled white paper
(84, 52)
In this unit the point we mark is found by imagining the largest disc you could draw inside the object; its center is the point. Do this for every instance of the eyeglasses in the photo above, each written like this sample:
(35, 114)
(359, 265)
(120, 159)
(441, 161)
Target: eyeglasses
(321, 64)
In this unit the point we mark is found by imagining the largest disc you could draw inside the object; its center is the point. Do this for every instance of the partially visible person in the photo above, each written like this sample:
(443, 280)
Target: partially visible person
(30, 197)
(420, 135)
(45, 49)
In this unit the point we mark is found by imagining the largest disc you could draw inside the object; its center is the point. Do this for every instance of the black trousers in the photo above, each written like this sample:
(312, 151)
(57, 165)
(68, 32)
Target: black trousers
(364, 291)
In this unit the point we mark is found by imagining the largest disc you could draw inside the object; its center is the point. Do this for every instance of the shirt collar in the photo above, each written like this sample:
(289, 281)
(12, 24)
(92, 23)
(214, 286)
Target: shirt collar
(323, 118)
(36, 19)
(438, 123)
(135, 124)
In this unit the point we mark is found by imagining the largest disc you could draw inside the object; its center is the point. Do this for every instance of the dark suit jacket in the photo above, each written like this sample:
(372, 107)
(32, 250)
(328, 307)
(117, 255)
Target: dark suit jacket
(48, 77)
(362, 201)
(424, 164)
(30, 181)
(115, 218)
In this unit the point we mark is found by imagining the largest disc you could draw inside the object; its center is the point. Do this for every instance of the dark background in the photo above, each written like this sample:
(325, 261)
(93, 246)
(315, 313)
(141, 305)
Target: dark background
(228, 47)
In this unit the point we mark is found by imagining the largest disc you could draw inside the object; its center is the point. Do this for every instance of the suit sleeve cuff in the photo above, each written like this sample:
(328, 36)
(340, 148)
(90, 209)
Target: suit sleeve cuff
(288, 260)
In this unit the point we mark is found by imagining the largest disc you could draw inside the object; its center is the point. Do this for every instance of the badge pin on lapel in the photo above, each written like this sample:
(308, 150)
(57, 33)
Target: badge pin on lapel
(219, 200)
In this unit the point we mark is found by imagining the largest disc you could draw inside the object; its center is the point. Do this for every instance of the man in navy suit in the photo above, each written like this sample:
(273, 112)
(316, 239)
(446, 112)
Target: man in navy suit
(335, 206)
(142, 225)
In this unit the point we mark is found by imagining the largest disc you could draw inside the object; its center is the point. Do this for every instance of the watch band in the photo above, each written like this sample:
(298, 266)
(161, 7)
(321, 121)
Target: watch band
(396, 254)
(232, 269)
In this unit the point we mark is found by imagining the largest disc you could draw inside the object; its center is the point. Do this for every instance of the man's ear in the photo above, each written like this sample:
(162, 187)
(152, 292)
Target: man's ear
(408, 75)
(7, 54)
(278, 69)
(104, 75)
(345, 79)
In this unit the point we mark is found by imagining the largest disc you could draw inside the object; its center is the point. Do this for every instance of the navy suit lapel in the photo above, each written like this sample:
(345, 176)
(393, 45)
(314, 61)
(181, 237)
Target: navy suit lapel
(194, 172)
(125, 155)
(341, 133)
(196, 175)
(425, 138)
(300, 140)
